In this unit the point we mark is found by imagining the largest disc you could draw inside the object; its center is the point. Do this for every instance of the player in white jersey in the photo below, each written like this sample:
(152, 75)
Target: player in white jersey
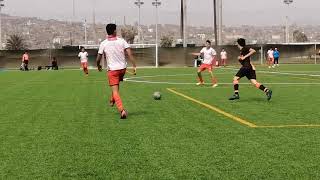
(223, 56)
(83, 56)
(115, 49)
(270, 57)
(208, 54)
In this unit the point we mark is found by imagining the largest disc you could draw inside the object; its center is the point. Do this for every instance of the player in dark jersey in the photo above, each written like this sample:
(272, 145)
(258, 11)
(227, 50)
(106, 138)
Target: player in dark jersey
(247, 70)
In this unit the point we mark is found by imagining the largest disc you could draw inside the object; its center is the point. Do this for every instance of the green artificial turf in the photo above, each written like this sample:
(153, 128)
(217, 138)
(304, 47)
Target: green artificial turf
(58, 125)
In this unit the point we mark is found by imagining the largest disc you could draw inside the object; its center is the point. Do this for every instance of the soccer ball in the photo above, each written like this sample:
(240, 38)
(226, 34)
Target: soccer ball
(156, 96)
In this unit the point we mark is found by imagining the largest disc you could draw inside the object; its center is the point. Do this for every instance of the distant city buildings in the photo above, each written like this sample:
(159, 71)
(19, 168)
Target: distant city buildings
(43, 34)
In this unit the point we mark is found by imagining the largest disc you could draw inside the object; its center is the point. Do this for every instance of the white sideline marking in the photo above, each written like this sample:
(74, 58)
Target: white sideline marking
(137, 80)
(283, 73)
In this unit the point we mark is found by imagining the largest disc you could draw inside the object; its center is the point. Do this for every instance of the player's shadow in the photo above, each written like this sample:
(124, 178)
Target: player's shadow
(136, 113)
(255, 99)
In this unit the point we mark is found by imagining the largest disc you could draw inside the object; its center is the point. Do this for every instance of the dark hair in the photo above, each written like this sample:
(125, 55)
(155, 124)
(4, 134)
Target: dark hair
(110, 28)
(241, 42)
(208, 41)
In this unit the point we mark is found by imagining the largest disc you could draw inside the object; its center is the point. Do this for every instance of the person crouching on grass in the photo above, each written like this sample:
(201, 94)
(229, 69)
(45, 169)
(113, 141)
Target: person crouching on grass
(115, 49)
(247, 70)
(209, 55)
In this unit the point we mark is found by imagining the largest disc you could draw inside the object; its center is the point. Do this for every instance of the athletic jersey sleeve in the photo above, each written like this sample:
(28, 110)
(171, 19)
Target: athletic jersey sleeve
(87, 54)
(213, 52)
(79, 55)
(101, 48)
(202, 50)
(125, 44)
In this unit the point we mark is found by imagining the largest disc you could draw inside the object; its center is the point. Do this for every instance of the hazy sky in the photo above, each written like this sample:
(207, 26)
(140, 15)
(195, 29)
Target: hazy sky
(235, 12)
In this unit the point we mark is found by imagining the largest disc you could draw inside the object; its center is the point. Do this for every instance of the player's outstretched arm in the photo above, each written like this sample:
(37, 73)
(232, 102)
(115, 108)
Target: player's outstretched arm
(132, 60)
(251, 52)
(98, 60)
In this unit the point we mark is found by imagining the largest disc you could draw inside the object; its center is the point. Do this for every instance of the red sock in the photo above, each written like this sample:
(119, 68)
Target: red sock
(118, 101)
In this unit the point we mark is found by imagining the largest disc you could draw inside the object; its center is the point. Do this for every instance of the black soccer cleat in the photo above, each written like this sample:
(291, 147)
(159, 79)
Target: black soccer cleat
(123, 114)
(234, 97)
(269, 95)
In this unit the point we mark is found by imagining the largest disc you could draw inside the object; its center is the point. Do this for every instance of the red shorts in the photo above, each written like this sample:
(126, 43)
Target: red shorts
(116, 76)
(205, 66)
(84, 65)
(270, 59)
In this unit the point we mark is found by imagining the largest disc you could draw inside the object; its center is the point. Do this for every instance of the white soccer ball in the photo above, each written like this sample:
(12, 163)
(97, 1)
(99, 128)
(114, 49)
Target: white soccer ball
(157, 95)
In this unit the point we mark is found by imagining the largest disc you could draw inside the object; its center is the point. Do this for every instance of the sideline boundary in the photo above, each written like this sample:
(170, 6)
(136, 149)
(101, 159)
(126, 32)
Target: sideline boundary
(241, 121)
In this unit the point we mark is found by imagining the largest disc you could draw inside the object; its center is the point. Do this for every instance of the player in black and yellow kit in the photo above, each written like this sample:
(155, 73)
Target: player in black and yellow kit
(247, 70)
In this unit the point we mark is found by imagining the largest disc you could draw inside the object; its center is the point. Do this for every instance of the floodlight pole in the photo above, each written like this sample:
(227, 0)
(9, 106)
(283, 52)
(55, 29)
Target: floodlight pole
(220, 22)
(315, 57)
(139, 3)
(183, 22)
(157, 3)
(288, 2)
(1, 5)
(85, 32)
(215, 22)
(73, 16)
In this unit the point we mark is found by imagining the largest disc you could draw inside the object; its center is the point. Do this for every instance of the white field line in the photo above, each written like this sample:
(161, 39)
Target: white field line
(284, 73)
(139, 79)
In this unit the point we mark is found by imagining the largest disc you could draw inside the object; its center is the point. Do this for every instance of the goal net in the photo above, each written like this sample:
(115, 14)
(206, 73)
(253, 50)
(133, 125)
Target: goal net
(145, 54)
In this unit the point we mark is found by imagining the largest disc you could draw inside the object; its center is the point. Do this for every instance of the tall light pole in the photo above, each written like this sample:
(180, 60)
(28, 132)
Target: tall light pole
(288, 2)
(139, 3)
(215, 22)
(183, 22)
(220, 22)
(1, 5)
(85, 32)
(73, 16)
(94, 21)
(157, 3)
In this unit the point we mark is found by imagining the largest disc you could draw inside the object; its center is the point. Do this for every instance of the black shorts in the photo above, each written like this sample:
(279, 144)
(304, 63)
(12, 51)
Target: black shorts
(25, 62)
(247, 72)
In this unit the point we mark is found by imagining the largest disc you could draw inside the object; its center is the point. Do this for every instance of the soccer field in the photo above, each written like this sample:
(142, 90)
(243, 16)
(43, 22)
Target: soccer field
(58, 125)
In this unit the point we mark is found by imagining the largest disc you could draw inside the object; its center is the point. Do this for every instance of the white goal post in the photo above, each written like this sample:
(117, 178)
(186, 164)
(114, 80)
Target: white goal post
(147, 53)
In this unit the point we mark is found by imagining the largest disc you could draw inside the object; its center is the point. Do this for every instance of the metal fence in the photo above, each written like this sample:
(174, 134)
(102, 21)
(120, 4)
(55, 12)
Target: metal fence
(168, 57)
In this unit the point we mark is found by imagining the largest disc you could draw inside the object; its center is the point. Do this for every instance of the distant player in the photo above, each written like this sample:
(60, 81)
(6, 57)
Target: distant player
(223, 56)
(25, 61)
(208, 54)
(270, 57)
(115, 50)
(247, 70)
(83, 56)
(276, 56)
